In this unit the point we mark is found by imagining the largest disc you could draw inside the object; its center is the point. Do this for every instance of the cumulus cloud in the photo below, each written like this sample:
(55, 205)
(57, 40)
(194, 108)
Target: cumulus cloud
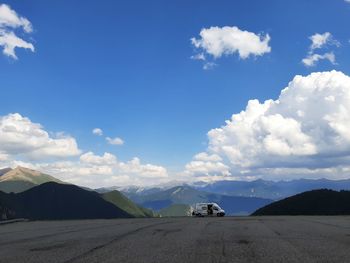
(115, 141)
(20, 136)
(206, 167)
(306, 129)
(25, 143)
(312, 59)
(135, 168)
(97, 131)
(105, 159)
(219, 41)
(10, 21)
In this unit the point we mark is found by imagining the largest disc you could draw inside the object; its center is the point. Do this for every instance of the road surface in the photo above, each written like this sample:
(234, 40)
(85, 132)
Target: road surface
(229, 239)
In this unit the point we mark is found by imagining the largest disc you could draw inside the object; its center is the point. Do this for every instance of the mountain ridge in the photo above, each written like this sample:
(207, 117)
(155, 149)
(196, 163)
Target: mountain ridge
(187, 195)
(315, 202)
(53, 201)
(21, 179)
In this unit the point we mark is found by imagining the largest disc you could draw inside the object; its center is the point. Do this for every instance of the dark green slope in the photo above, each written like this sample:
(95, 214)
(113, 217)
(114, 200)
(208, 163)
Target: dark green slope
(124, 203)
(57, 201)
(316, 202)
(15, 186)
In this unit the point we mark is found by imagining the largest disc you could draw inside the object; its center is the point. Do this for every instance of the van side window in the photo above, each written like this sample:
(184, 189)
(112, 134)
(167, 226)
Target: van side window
(204, 208)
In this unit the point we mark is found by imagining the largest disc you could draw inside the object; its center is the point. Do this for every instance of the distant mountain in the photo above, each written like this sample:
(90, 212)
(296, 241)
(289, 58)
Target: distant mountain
(118, 199)
(233, 205)
(21, 179)
(57, 201)
(130, 191)
(270, 189)
(176, 210)
(316, 202)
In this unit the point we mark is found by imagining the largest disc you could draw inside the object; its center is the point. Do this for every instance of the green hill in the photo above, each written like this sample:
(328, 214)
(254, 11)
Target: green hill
(53, 201)
(315, 202)
(15, 186)
(176, 210)
(124, 203)
(21, 179)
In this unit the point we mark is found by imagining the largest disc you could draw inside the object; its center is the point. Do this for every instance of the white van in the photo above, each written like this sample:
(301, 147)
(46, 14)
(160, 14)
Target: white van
(208, 209)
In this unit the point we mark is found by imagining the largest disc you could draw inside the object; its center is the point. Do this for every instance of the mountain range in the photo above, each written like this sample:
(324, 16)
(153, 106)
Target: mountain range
(186, 195)
(57, 201)
(271, 189)
(34, 195)
(21, 187)
(118, 199)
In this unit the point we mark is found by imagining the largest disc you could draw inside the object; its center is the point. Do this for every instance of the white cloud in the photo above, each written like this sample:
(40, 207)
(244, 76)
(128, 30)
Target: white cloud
(115, 141)
(3, 157)
(321, 40)
(9, 21)
(204, 166)
(205, 157)
(97, 131)
(347, 1)
(20, 136)
(312, 59)
(200, 168)
(209, 65)
(135, 168)
(93, 170)
(105, 159)
(219, 41)
(27, 144)
(306, 129)
(199, 56)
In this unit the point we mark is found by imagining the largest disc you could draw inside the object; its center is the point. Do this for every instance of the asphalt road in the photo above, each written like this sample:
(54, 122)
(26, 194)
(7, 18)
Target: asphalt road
(229, 239)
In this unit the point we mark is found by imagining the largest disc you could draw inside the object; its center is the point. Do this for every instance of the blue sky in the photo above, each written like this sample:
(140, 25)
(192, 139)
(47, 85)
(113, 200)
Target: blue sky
(125, 67)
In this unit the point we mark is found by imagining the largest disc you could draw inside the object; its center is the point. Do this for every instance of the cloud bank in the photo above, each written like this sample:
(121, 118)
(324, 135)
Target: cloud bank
(306, 129)
(25, 143)
(20, 136)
